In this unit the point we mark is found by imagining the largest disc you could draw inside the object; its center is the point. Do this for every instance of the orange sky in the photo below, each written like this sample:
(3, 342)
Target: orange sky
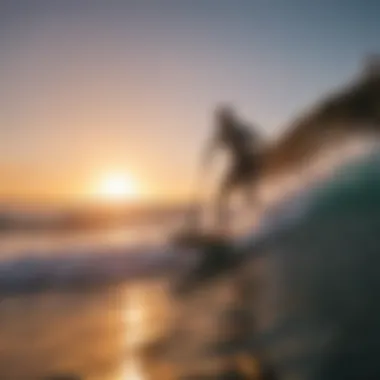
(91, 89)
(30, 184)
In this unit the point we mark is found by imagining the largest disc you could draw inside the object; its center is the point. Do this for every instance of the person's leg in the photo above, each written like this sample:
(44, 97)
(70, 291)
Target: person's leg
(250, 180)
(249, 197)
(222, 202)
(243, 175)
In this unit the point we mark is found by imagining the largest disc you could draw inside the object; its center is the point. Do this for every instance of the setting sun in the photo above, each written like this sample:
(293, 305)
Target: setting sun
(117, 187)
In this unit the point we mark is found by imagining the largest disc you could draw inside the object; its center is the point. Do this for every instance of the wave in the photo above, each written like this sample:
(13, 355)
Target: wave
(32, 218)
(84, 269)
(88, 267)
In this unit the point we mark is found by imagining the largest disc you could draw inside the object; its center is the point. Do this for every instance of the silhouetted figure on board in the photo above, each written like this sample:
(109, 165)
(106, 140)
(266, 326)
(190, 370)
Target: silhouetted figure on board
(244, 147)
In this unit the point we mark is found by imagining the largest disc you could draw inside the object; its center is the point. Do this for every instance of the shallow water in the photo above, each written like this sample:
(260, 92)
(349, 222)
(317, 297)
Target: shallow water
(67, 333)
(137, 331)
(62, 313)
(92, 334)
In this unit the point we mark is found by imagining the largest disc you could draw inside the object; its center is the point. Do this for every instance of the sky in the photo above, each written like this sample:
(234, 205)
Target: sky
(91, 87)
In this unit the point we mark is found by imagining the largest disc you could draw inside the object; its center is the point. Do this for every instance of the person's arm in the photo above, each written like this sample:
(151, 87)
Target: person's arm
(257, 137)
(251, 133)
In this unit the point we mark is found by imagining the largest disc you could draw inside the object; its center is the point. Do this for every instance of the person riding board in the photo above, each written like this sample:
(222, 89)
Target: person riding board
(243, 144)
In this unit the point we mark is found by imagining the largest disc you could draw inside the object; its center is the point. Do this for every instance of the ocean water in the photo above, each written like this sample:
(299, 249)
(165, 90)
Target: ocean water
(85, 334)
(68, 305)
(98, 304)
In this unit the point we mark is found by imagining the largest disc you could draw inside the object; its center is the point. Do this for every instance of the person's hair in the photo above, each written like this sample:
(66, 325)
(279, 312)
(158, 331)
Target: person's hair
(225, 112)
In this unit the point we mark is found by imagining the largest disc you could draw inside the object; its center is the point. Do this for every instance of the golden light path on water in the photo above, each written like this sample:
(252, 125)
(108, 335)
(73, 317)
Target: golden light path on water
(144, 318)
(133, 320)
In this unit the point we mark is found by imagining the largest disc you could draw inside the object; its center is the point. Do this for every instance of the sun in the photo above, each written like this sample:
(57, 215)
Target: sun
(117, 187)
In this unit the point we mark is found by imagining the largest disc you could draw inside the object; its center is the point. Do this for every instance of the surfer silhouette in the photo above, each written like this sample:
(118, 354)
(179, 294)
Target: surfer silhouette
(242, 142)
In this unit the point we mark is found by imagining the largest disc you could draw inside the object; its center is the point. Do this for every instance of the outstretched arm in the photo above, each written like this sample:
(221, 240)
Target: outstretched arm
(251, 134)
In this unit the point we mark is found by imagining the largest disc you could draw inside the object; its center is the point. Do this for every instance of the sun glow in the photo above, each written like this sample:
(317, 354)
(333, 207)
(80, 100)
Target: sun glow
(117, 187)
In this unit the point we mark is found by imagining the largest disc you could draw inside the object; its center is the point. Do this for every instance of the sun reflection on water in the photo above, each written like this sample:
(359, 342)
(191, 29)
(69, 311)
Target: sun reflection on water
(145, 319)
(133, 320)
(133, 371)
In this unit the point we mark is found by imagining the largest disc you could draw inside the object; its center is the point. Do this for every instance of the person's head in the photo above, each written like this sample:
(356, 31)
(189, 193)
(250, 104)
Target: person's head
(225, 115)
